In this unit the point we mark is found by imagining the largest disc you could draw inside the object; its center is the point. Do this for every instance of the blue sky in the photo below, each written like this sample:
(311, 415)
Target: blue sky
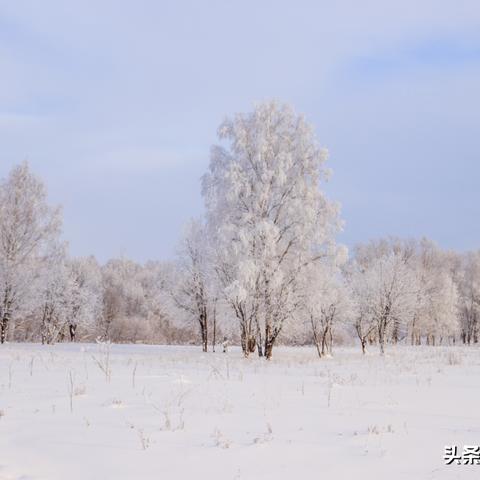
(115, 104)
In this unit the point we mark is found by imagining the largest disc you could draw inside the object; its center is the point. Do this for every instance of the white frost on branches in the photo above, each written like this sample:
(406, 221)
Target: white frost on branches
(268, 216)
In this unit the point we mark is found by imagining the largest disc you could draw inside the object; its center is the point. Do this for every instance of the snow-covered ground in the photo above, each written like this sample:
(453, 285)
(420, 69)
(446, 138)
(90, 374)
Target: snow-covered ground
(176, 413)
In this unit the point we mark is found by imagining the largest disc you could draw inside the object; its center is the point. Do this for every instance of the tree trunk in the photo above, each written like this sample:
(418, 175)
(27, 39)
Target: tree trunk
(73, 331)
(259, 340)
(244, 341)
(6, 307)
(324, 342)
(363, 342)
(44, 325)
(214, 329)
(382, 331)
(205, 339)
(395, 333)
(204, 330)
(268, 348)
(4, 327)
(269, 340)
(316, 340)
(381, 336)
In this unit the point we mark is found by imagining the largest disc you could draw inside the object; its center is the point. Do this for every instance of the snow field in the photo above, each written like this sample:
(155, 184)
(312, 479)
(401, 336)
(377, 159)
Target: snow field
(99, 412)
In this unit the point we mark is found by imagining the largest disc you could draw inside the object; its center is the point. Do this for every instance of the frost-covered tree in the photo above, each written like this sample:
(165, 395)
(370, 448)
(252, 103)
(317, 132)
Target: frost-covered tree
(435, 315)
(388, 287)
(268, 216)
(157, 279)
(363, 319)
(193, 292)
(124, 308)
(243, 300)
(28, 228)
(85, 295)
(326, 303)
(55, 288)
(468, 281)
(418, 276)
(442, 310)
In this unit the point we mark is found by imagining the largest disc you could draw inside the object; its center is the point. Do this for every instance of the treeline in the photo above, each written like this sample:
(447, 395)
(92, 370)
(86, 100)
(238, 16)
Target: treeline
(48, 296)
(261, 267)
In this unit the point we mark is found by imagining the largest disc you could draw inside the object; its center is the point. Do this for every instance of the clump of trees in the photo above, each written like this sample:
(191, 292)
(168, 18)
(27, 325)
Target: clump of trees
(261, 267)
(267, 218)
(29, 237)
(404, 290)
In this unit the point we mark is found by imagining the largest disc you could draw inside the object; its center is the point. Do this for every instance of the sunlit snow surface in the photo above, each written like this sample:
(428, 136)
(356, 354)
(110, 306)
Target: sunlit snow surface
(177, 413)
